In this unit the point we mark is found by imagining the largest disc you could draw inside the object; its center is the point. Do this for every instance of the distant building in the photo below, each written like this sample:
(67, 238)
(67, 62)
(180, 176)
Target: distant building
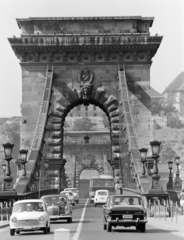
(176, 89)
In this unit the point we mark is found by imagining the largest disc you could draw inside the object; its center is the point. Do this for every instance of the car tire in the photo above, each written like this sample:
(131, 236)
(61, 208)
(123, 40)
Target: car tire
(142, 227)
(95, 204)
(45, 230)
(109, 227)
(12, 232)
(137, 228)
(48, 229)
(17, 232)
(69, 220)
(104, 226)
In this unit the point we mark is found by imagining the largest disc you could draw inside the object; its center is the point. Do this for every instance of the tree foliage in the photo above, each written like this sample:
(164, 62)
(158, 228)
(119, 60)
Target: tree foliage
(167, 153)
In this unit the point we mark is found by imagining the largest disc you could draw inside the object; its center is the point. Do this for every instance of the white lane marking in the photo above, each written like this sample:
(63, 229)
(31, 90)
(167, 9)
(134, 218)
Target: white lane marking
(76, 236)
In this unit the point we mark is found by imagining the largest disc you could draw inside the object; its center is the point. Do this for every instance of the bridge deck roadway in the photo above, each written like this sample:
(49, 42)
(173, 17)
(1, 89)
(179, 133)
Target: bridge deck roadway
(87, 225)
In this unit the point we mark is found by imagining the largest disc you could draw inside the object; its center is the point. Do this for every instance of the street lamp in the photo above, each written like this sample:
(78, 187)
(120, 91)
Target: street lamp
(177, 180)
(170, 183)
(4, 169)
(23, 158)
(143, 153)
(8, 180)
(155, 188)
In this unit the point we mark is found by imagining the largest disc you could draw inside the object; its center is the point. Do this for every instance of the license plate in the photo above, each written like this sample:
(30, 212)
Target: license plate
(127, 216)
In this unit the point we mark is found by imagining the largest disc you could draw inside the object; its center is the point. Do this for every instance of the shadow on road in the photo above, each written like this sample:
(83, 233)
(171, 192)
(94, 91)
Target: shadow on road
(147, 231)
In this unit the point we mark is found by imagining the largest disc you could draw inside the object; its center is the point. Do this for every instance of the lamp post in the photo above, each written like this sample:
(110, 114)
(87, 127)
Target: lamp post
(177, 180)
(8, 180)
(21, 162)
(170, 183)
(4, 170)
(143, 153)
(155, 188)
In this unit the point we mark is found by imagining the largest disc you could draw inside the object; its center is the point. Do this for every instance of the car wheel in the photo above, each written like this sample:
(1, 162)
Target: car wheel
(17, 232)
(143, 227)
(12, 232)
(45, 230)
(104, 226)
(69, 220)
(77, 201)
(48, 229)
(109, 227)
(95, 204)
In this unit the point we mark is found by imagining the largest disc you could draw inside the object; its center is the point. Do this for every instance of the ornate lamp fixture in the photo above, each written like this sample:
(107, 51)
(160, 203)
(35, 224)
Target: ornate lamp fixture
(155, 188)
(8, 180)
(23, 158)
(143, 154)
(4, 169)
(177, 180)
(170, 183)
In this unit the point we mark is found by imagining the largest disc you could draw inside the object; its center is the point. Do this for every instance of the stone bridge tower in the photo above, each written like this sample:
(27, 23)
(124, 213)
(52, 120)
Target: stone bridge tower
(70, 61)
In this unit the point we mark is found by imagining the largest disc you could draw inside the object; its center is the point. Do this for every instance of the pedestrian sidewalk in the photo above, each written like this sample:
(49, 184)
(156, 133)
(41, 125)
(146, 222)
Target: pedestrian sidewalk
(172, 224)
(4, 224)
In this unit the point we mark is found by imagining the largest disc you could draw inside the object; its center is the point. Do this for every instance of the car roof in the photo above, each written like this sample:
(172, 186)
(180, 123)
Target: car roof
(28, 200)
(102, 190)
(121, 195)
(51, 195)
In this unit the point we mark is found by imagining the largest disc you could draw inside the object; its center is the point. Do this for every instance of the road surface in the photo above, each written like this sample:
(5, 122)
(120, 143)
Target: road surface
(88, 225)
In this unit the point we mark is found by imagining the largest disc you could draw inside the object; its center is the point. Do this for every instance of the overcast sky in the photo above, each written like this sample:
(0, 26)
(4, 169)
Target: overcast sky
(169, 23)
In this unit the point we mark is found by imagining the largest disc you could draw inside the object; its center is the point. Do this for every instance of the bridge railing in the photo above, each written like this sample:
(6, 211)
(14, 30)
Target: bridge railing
(6, 202)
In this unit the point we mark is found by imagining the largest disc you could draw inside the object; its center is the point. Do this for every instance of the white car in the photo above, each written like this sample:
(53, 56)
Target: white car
(69, 195)
(75, 193)
(29, 215)
(101, 197)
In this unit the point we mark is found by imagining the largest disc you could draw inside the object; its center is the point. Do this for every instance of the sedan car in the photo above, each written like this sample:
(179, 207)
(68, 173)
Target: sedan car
(101, 197)
(127, 211)
(69, 195)
(29, 215)
(75, 193)
(58, 207)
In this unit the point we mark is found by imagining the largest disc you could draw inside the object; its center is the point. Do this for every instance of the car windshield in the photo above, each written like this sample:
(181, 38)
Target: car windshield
(125, 201)
(28, 207)
(54, 199)
(102, 193)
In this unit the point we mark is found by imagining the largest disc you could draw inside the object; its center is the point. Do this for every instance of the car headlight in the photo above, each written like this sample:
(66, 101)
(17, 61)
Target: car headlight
(14, 219)
(41, 219)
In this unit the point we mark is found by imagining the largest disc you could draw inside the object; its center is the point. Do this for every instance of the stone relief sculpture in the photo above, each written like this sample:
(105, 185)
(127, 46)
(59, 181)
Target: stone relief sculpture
(85, 78)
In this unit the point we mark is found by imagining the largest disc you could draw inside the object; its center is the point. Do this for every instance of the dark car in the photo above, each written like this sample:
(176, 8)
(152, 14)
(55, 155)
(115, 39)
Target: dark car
(127, 211)
(58, 207)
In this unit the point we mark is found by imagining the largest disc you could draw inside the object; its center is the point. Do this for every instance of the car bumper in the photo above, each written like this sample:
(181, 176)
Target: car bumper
(100, 202)
(52, 217)
(28, 228)
(133, 222)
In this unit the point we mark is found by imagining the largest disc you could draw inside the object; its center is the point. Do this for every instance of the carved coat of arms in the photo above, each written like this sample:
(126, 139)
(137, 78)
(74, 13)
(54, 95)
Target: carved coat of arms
(85, 78)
